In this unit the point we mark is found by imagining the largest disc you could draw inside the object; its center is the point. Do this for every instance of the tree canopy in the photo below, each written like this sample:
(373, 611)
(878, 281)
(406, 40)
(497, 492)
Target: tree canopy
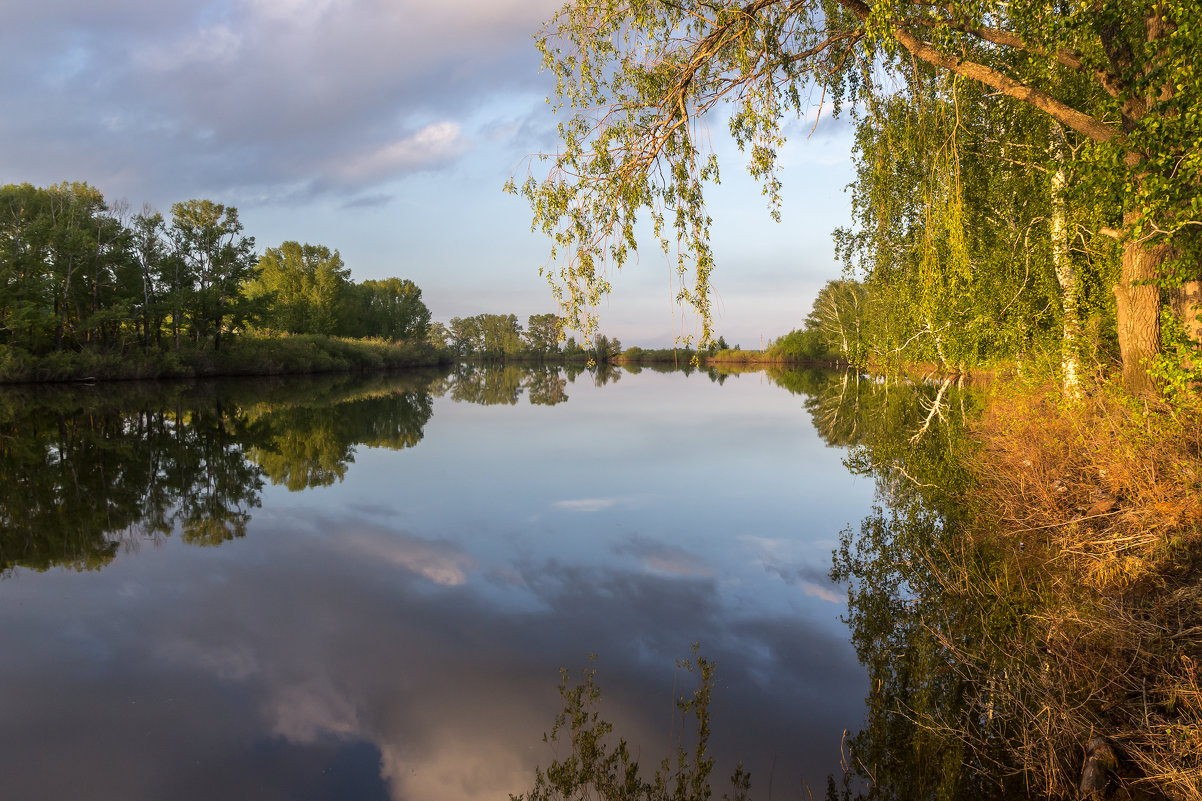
(78, 272)
(1113, 84)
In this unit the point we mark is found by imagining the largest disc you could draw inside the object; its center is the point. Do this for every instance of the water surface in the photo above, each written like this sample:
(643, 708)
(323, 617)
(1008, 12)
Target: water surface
(365, 588)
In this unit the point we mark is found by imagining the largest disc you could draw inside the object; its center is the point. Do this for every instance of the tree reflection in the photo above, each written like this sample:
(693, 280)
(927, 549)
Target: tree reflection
(313, 444)
(547, 386)
(940, 618)
(503, 384)
(487, 386)
(87, 470)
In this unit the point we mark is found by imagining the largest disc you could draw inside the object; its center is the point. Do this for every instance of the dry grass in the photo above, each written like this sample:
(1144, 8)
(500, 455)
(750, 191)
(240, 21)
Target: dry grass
(1111, 486)
(1099, 504)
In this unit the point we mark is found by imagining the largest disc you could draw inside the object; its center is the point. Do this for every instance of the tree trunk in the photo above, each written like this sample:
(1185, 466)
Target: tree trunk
(1066, 273)
(1186, 302)
(1138, 312)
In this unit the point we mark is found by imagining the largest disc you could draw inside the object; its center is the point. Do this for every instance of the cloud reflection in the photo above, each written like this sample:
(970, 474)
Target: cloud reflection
(586, 504)
(438, 562)
(665, 558)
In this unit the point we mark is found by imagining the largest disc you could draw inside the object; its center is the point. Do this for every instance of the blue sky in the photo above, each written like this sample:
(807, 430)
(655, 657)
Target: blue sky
(385, 129)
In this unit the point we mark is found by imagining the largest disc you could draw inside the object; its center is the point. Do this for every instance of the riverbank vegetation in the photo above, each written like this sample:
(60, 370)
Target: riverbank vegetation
(1026, 590)
(1013, 167)
(89, 289)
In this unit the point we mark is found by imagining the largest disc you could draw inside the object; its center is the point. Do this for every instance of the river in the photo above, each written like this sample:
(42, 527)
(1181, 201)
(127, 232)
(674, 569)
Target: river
(366, 587)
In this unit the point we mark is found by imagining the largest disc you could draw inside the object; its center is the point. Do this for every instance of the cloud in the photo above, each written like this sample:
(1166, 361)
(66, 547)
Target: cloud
(586, 504)
(433, 145)
(182, 98)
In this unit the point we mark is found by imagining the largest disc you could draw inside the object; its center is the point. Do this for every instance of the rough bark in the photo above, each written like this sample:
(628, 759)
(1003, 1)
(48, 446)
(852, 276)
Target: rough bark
(1138, 312)
(1186, 302)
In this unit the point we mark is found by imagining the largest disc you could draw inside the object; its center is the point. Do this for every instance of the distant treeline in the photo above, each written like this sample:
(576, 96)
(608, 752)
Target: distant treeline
(80, 274)
(500, 337)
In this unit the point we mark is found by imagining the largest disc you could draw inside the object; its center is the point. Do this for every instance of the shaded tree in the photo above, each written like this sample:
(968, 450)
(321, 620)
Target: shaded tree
(213, 260)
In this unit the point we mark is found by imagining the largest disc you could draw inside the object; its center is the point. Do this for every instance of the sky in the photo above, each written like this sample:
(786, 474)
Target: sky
(384, 129)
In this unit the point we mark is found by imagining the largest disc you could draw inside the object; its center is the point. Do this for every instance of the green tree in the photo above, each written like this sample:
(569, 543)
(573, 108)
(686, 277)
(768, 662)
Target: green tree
(303, 286)
(836, 316)
(491, 336)
(438, 335)
(26, 290)
(543, 332)
(63, 262)
(214, 259)
(150, 254)
(1121, 77)
(390, 309)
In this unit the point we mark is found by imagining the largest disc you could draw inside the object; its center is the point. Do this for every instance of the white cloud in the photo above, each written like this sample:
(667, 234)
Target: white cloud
(586, 504)
(209, 46)
(298, 13)
(431, 146)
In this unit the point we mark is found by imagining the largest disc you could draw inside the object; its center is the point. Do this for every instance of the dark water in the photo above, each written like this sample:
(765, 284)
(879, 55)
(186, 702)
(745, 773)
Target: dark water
(365, 588)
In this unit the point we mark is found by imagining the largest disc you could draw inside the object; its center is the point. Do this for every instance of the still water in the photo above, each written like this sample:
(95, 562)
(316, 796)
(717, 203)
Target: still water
(364, 588)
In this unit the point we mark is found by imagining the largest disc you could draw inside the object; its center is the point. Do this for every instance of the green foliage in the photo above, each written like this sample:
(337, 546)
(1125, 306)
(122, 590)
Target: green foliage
(303, 286)
(213, 259)
(1178, 370)
(490, 336)
(800, 345)
(62, 261)
(992, 139)
(84, 284)
(390, 309)
(543, 333)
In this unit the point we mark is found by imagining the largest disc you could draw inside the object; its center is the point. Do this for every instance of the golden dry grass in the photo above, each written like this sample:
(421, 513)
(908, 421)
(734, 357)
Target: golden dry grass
(1111, 486)
(1099, 502)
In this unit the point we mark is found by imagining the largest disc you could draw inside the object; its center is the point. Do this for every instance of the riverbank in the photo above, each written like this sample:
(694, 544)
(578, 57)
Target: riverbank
(1095, 507)
(1029, 595)
(243, 356)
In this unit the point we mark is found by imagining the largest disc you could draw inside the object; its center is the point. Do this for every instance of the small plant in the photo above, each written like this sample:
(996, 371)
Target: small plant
(599, 765)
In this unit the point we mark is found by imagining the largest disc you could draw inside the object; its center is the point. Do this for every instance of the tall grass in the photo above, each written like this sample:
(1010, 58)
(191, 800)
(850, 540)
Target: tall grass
(1098, 502)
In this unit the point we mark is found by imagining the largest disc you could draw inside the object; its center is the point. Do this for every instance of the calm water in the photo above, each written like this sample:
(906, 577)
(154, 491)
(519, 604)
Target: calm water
(365, 588)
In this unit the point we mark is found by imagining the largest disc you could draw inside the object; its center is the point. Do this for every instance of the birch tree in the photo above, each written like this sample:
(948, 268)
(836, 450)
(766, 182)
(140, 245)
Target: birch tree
(640, 77)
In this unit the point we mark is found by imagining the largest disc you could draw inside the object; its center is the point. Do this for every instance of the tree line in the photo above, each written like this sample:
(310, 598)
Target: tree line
(499, 337)
(77, 272)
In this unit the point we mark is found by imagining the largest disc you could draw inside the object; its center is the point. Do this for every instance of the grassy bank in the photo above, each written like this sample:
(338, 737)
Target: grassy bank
(244, 356)
(1096, 508)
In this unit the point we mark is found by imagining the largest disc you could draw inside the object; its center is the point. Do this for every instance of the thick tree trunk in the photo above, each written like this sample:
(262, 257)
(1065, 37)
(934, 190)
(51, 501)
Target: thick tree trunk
(1138, 312)
(1186, 302)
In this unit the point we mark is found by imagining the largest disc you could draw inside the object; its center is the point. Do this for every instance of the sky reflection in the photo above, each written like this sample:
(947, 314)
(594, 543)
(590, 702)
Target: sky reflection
(399, 634)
